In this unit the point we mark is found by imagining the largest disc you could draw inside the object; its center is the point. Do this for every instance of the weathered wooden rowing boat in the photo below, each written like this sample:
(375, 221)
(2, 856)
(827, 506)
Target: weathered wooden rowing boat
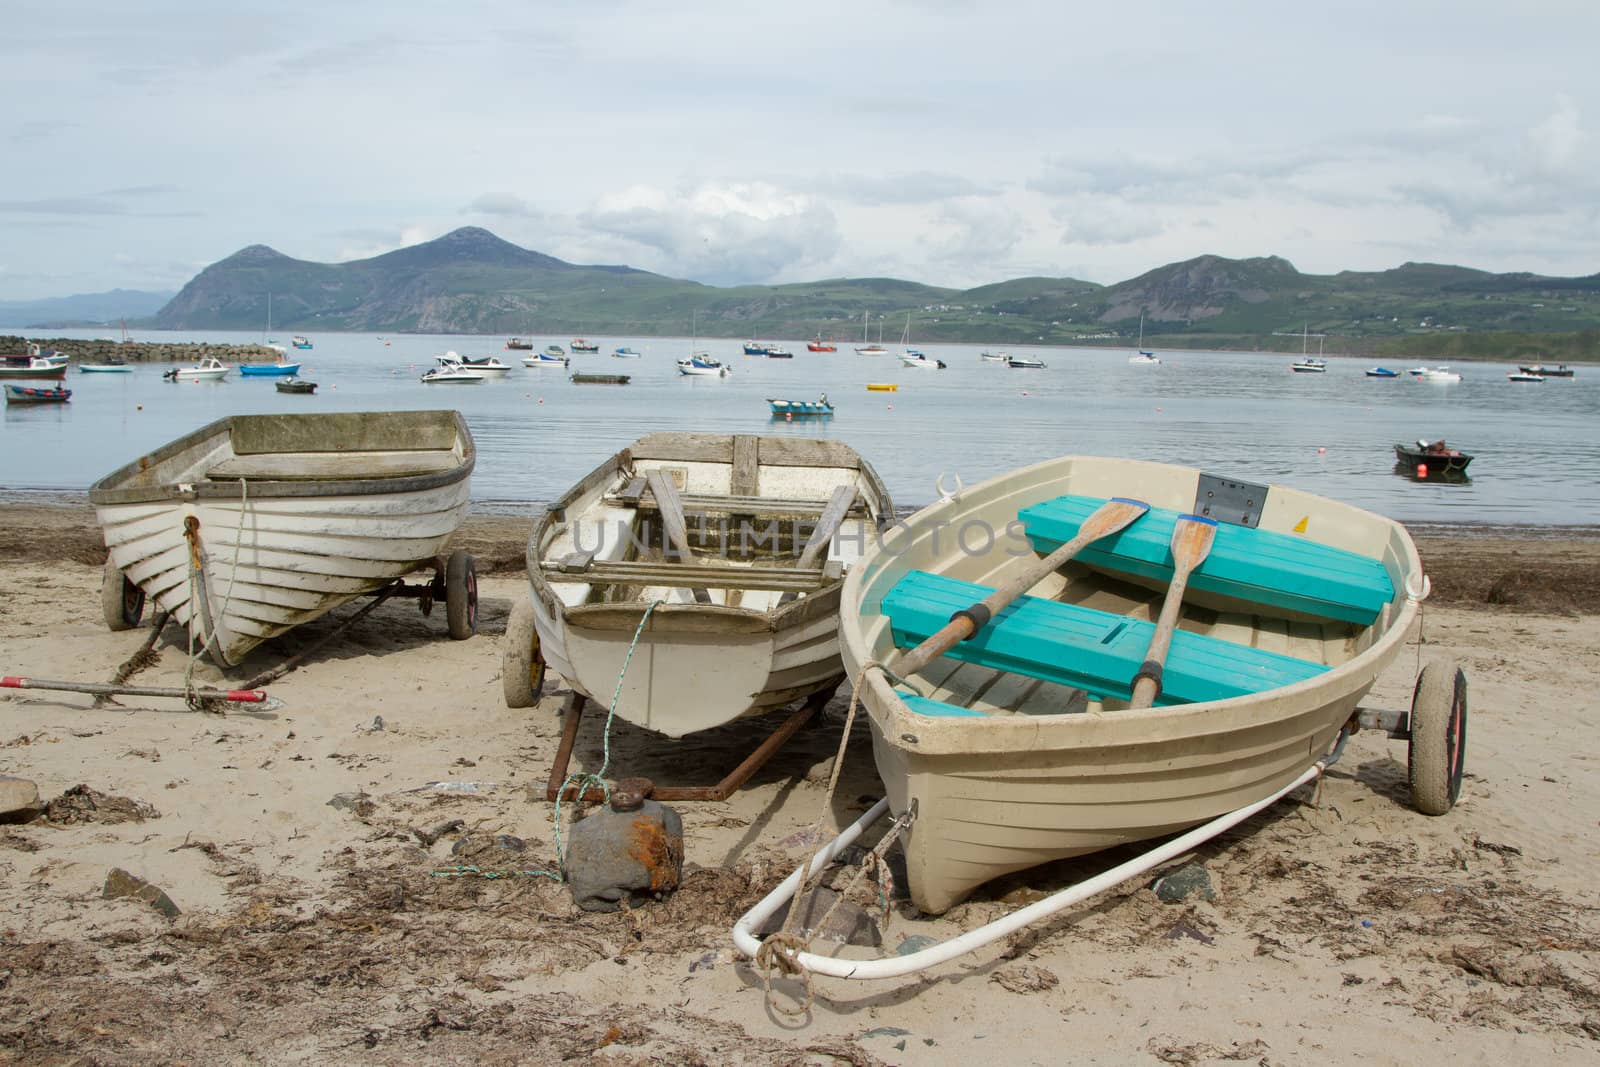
(736, 546)
(1024, 745)
(257, 523)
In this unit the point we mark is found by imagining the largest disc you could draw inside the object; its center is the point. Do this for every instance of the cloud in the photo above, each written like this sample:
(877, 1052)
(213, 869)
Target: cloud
(110, 202)
(917, 188)
(498, 204)
(1554, 142)
(722, 234)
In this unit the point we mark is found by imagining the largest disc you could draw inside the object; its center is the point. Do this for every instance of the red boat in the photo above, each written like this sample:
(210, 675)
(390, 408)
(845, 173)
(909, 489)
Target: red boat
(819, 345)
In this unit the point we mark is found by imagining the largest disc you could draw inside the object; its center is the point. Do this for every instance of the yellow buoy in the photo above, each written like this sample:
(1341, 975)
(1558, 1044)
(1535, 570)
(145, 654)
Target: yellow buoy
(882, 387)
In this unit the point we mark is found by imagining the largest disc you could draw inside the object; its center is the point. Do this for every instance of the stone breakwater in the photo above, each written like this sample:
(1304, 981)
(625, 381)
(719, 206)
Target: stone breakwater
(139, 352)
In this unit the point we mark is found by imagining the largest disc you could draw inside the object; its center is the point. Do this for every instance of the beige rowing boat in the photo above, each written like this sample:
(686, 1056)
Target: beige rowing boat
(1006, 770)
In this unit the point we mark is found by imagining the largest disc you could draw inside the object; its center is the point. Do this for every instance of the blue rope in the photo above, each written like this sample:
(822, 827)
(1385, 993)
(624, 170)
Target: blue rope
(584, 779)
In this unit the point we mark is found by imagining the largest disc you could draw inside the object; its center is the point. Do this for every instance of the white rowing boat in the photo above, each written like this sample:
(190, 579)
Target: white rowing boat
(257, 523)
(735, 545)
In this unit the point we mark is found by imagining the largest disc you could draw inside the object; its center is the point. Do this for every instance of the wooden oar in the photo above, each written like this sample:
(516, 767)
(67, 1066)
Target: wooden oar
(1107, 519)
(1191, 544)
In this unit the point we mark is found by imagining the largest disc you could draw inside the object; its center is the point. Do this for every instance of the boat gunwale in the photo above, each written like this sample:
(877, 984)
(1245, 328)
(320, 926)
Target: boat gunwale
(107, 491)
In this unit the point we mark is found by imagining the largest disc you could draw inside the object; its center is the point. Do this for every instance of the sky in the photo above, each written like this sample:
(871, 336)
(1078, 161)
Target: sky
(948, 142)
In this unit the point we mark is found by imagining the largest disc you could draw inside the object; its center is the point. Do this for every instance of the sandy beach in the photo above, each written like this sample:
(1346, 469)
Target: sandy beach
(1345, 928)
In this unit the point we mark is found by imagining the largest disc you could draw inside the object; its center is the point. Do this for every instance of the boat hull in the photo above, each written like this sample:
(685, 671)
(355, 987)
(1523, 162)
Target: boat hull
(269, 370)
(1024, 783)
(32, 394)
(699, 665)
(289, 517)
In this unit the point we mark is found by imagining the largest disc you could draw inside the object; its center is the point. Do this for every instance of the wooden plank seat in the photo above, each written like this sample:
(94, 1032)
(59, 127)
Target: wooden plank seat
(1096, 651)
(330, 466)
(725, 504)
(1259, 566)
(582, 567)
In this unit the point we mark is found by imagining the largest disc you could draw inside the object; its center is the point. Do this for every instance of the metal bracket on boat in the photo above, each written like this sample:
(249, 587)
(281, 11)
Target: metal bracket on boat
(186, 491)
(1229, 500)
(1397, 724)
(947, 494)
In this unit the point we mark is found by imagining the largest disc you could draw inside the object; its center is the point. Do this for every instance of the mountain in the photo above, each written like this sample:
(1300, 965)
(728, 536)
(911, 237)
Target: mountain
(471, 281)
(85, 309)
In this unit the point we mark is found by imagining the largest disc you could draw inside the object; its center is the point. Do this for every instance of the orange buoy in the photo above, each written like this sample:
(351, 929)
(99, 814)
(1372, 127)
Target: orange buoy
(1322, 451)
(1422, 470)
(788, 416)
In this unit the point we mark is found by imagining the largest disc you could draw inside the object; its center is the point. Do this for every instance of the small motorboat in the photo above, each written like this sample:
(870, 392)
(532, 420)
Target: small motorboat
(1437, 456)
(755, 348)
(1560, 370)
(33, 366)
(1024, 363)
(295, 385)
(787, 408)
(254, 524)
(114, 365)
(486, 365)
(1524, 376)
(624, 352)
(1309, 365)
(872, 350)
(209, 369)
(778, 352)
(915, 358)
(264, 370)
(300, 342)
(543, 359)
(701, 365)
(1441, 375)
(1382, 372)
(451, 374)
(33, 394)
(993, 357)
(580, 345)
(819, 345)
(519, 345)
(1417, 372)
(668, 533)
(555, 351)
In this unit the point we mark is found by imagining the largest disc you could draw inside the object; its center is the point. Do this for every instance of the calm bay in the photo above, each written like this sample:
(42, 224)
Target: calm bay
(1244, 415)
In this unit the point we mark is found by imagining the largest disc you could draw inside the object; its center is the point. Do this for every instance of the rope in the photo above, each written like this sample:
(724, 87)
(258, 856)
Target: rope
(584, 779)
(477, 872)
(780, 951)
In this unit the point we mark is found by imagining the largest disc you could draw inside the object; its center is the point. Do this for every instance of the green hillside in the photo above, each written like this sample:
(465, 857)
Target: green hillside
(471, 281)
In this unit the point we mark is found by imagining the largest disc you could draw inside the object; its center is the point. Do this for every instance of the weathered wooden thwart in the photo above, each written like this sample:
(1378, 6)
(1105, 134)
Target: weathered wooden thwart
(257, 523)
(739, 541)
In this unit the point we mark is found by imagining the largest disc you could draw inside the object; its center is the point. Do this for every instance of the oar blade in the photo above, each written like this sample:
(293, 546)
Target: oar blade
(1192, 538)
(1110, 517)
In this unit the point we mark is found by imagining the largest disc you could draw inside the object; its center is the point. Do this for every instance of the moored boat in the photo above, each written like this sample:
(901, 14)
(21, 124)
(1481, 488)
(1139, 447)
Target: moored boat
(487, 365)
(209, 368)
(517, 344)
(300, 341)
(913, 357)
(1440, 374)
(544, 359)
(755, 348)
(295, 385)
(113, 365)
(778, 352)
(1437, 456)
(1024, 744)
(33, 394)
(1309, 365)
(555, 351)
(263, 370)
(34, 364)
(702, 366)
(746, 632)
(1524, 376)
(624, 352)
(1144, 359)
(1560, 370)
(817, 344)
(255, 524)
(1024, 363)
(581, 345)
(787, 408)
(451, 373)
(1382, 372)
(992, 357)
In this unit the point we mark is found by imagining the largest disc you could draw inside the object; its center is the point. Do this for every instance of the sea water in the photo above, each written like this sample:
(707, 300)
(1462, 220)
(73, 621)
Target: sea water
(1244, 415)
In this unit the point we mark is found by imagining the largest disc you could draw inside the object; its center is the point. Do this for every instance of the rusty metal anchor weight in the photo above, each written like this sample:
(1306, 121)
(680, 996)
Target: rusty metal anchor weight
(628, 851)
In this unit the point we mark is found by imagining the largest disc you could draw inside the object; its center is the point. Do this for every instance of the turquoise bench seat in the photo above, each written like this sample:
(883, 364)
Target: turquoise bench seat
(1258, 566)
(1080, 647)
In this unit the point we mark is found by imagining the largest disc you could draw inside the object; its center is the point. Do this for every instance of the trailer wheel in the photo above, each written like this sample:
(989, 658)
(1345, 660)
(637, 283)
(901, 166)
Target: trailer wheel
(1437, 756)
(120, 600)
(461, 595)
(522, 667)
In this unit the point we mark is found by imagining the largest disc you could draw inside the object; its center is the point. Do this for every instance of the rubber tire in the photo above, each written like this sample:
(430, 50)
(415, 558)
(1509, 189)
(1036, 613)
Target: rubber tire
(121, 601)
(1437, 756)
(522, 667)
(461, 595)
